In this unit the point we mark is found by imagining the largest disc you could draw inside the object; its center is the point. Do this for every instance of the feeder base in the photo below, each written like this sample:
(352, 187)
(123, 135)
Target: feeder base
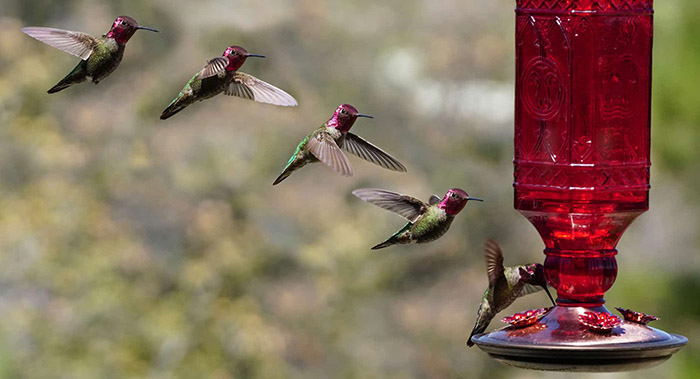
(558, 342)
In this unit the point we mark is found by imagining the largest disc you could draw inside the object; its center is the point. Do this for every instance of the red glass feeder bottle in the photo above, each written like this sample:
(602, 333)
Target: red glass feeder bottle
(582, 141)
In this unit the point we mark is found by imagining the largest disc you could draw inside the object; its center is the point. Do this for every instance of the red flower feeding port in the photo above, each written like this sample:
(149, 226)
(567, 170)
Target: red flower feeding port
(638, 317)
(600, 322)
(582, 141)
(527, 318)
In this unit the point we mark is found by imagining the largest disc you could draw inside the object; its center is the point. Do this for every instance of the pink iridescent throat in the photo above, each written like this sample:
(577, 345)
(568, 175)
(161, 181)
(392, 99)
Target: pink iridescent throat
(452, 207)
(342, 124)
(121, 38)
(235, 63)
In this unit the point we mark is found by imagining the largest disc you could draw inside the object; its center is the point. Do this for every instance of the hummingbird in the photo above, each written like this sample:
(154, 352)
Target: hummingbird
(426, 222)
(505, 285)
(221, 74)
(325, 143)
(99, 56)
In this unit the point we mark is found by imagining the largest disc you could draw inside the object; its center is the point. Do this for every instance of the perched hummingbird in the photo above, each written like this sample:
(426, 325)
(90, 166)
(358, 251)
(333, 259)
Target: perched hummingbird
(324, 144)
(220, 75)
(426, 222)
(100, 56)
(505, 285)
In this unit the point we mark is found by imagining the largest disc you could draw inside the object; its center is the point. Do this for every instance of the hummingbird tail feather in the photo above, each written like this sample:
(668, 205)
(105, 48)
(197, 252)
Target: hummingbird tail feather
(469, 341)
(284, 175)
(292, 165)
(384, 244)
(175, 106)
(399, 237)
(478, 328)
(78, 75)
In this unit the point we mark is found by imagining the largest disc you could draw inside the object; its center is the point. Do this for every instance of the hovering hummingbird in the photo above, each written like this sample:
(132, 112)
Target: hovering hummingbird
(426, 222)
(324, 144)
(100, 56)
(220, 75)
(505, 285)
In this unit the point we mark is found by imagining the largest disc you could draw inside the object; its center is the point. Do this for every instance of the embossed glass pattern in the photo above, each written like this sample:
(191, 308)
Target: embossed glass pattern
(582, 125)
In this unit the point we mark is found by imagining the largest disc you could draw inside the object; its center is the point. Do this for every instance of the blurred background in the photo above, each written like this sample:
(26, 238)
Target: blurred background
(134, 247)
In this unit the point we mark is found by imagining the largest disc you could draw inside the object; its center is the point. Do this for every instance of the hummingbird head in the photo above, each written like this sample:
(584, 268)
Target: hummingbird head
(236, 57)
(124, 27)
(344, 117)
(533, 274)
(455, 200)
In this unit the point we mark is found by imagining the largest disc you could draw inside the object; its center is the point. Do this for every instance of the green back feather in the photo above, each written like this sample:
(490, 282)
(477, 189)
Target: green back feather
(300, 146)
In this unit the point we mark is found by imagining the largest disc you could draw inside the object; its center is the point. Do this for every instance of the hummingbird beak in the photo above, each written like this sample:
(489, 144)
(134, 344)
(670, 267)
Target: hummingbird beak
(255, 55)
(474, 199)
(364, 115)
(146, 28)
(550, 295)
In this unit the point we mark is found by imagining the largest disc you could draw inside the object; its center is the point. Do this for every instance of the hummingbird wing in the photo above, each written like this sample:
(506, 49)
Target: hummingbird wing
(406, 206)
(434, 199)
(323, 146)
(75, 43)
(252, 88)
(214, 67)
(494, 261)
(367, 151)
(528, 289)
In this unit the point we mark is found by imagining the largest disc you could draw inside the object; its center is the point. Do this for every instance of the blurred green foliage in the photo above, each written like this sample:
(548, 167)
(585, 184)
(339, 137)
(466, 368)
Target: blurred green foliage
(133, 247)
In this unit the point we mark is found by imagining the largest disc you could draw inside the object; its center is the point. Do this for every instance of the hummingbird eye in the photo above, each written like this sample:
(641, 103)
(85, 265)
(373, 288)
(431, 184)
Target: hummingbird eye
(342, 111)
(453, 195)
